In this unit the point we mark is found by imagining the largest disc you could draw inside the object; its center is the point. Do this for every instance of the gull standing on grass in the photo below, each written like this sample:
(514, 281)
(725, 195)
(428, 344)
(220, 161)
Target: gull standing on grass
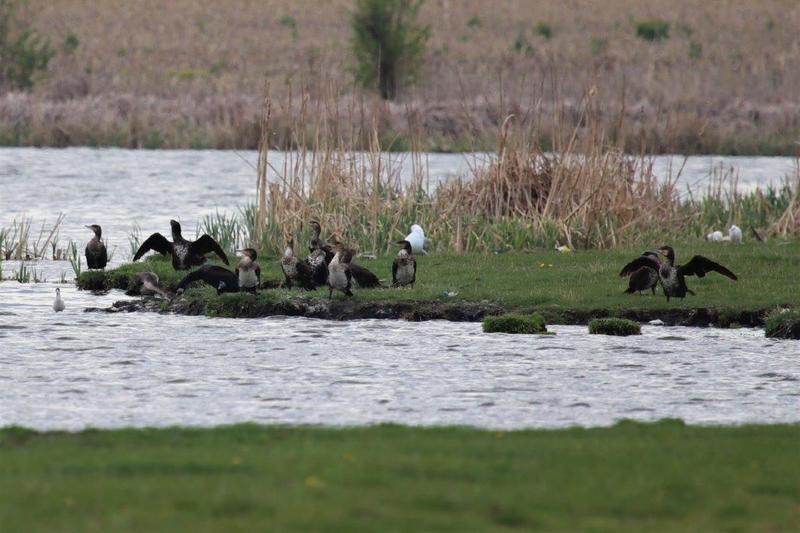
(58, 304)
(419, 244)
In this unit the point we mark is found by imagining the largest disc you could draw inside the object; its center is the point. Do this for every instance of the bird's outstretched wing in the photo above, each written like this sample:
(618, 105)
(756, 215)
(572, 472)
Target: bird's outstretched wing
(641, 261)
(700, 266)
(211, 274)
(156, 242)
(206, 245)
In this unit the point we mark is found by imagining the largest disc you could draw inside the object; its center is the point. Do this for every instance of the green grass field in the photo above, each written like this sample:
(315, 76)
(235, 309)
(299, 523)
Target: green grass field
(546, 279)
(630, 477)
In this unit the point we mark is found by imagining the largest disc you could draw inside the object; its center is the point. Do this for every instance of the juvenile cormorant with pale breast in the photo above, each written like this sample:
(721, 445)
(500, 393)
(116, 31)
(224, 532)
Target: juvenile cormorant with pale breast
(96, 255)
(404, 266)
(248, 271)
(339, 275)
(296, 271)
(147, 283)
(185, 254)
(672, 277)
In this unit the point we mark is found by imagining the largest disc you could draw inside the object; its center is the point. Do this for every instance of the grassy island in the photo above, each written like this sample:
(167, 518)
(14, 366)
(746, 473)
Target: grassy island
(566, 288)
(664, 476)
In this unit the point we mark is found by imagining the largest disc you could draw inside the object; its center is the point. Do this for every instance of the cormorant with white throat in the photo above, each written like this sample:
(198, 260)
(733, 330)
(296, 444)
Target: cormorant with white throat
(339, 276)
(185, 254)
(404, 266)
(248, 271)
(296, 271)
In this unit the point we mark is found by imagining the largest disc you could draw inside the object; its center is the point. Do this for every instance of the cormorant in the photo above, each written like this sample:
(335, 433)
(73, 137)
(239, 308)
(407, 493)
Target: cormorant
(58, 304)
(419, 244)
(248, 271)
(320, 254)
(147, 283)
(296, 271)
(218, 277)
(96, 255)
(339, 276)
(362, 275)
(643, 277)
(404, 267)
(672, 277)
(185, 254)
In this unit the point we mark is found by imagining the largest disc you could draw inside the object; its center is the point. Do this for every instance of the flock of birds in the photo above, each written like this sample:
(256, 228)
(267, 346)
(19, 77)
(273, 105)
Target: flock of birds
(333, 266)
(325, 265)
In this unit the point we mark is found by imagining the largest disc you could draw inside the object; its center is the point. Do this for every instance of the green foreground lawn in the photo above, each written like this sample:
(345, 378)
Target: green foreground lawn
(630, 477)
(769, 275)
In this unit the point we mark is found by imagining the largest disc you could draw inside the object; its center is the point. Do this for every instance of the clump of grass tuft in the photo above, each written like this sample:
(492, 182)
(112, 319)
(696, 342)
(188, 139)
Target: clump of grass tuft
(544, 29)
(614, 326)
(652, 30)
(511, 323)
(783, 324)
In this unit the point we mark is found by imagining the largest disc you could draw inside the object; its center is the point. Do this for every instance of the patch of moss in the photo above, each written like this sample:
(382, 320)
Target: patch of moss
(526, 324)
(783, 324)
(621, 327)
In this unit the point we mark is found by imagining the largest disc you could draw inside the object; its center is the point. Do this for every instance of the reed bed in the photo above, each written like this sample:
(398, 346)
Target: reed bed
(20, 242)
(588, 194)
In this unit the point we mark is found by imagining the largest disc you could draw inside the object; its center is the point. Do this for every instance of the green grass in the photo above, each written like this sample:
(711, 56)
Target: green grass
(510, 323)
(548, 281)
(783, 324)
(614, 326)
(631, 477)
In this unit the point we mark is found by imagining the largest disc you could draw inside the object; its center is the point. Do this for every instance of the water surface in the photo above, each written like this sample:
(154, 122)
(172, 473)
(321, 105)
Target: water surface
(74, 369)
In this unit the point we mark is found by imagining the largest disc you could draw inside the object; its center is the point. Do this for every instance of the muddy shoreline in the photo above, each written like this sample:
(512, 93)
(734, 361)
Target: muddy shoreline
(323, 308)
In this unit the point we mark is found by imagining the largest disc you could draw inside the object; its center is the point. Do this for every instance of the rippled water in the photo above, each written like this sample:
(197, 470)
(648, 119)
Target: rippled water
(119, 188)
(75, 369)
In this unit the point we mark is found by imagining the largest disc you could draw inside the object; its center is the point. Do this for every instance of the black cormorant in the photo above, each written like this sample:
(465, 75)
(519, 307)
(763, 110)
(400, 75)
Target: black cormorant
(644, 277)
(96, 255)
(185, 254)
(404, 267)
(672, 277)
(363, 277)
(218, 277)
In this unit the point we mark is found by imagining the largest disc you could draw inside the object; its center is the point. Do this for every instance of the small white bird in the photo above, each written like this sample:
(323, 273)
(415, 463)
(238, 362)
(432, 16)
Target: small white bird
(419, 244)
(714, 236)
(735, 234)
(58, 304)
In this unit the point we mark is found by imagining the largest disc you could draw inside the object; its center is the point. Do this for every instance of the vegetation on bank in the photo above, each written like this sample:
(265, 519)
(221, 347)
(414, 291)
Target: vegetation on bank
(511, 323)
(783, 324)
(614, 326)
(544, 281)
(629, 477)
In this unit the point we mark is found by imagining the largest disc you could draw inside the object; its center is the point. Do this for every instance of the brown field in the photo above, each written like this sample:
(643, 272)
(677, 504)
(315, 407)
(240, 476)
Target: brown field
(191, 73)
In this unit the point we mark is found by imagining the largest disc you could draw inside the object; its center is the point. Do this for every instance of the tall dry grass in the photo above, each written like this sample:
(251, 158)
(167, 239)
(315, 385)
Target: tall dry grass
(189, 73)
(586, 194)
